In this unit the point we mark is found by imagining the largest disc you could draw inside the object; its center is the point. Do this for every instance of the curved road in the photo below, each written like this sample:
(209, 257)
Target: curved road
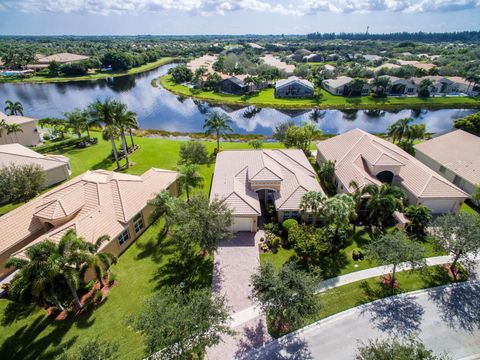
(446, 319)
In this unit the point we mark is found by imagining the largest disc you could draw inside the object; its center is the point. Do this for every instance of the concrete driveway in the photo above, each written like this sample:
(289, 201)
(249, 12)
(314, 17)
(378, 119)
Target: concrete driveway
(446, 319)
(235, 262)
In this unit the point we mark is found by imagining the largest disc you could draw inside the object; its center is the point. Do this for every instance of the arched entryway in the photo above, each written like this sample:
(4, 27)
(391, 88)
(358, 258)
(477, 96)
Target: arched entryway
(385, 176)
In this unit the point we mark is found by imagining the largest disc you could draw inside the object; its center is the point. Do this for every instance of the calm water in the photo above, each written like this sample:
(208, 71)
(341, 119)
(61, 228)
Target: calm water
(159, 109)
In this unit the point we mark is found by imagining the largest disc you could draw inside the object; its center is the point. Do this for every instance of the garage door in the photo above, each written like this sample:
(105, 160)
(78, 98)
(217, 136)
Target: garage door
(242, 224)
(440, 206)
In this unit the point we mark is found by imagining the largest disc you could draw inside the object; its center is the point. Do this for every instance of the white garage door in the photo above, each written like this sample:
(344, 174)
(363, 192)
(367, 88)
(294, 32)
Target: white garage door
(242, 224)
(440, 206)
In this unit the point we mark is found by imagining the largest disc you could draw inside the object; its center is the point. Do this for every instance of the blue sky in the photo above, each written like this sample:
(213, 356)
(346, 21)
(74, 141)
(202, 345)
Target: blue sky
(166, 17)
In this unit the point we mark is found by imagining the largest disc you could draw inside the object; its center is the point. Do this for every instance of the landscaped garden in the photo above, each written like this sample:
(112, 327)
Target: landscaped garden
(323, 99)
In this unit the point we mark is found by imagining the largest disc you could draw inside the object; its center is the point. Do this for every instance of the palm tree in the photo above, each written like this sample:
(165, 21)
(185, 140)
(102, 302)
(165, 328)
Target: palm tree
(77, 120)
(217, 123)
(59, 125)
(381, 84)
(312, 132)
(311, 202)
(14, 108)
(103, 114)
(164, 205)
(357, 197)
(14, 129)
(382, 202)
(399, 129)
(98, 260)
(189, 178)
(415, 131)
(125, 120)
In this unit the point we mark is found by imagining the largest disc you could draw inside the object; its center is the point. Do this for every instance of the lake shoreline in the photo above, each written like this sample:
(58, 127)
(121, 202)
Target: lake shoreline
(415, 103)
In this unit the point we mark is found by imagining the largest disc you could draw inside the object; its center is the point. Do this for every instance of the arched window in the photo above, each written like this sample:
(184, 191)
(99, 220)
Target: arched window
(385, 176)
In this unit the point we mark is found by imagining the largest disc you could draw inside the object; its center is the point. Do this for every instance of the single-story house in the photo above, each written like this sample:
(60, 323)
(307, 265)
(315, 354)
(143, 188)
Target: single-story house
(29, 135)
(417, 64)
(55, 167)
(232, 85)
(338, 85)
(294, 87)
(386, 66)
(249, 180)
(95, 203)
(63, 58)
(399, 86)
(329, 67)
(455, 156)
(313, 58)
(370, 57)
(463, 86)
(368, 159)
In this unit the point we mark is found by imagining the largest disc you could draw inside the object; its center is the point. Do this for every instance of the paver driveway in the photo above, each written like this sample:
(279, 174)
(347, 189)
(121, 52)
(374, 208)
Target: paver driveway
(235, 262)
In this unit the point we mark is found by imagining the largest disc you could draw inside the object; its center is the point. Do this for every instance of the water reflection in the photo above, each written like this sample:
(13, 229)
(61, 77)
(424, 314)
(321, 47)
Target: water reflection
(160, 109)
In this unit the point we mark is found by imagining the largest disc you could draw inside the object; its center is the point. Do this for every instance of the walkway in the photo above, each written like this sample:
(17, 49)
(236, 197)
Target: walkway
(445, 318)
(235, 262)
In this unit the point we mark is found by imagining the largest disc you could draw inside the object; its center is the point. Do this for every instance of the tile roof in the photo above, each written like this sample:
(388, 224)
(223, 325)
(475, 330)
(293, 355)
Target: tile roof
(21, 155)
(339, 81)
(95, 203)
(355, 149)
(62, 58)
(236, 169)
(293, 79)
(458, 151)
(15, 119)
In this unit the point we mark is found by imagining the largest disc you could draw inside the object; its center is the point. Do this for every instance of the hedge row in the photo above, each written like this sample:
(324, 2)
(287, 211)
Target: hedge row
(60, 144)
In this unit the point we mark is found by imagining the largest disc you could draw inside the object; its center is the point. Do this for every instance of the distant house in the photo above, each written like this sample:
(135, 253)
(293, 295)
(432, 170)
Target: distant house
(464, 86)
(386, 66)
(399, 86)
(232, 85)
(29, 135)
(417, 64)
(455, 156)
(63, 58)
(95, 203)
(55, 167)
(338, 85)
(329, 67)
(312, 58)
(370, 57)
(294, 87)
(249, 180)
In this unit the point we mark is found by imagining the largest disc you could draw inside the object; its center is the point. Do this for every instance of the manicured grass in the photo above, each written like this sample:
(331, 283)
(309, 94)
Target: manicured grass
(94, 76)
(468, 209)
(361, 292)
(323, 99)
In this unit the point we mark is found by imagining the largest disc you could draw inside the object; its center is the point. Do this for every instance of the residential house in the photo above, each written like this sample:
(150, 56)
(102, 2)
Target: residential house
(312, 58)
(63, 58)
(399, 86)
(386, 66)
(368, 159)
(455, 156)
(294, 87)
(232, 85)
(463, 86)
(95, 203)
(417, 64)
(250, 180)
(329, 67)
(340, 86)
(56, 168)
(29, 135)
(271, 60)
(370, 57)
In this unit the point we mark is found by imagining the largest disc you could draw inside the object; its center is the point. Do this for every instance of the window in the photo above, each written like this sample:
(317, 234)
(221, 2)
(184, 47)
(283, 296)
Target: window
(410, 90)
(442, 169)
(138, 223)
(457, 180)
(287, 215)
(123, 237)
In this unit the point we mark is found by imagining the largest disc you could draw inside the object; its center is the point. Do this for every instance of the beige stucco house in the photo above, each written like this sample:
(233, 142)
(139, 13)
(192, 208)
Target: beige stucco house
(95, 203)
(29, 135)
(248, 180)
(55, 167)
(455, 156)
(368, 159)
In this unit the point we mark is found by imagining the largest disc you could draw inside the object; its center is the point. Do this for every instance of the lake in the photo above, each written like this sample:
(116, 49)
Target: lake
(159, 109)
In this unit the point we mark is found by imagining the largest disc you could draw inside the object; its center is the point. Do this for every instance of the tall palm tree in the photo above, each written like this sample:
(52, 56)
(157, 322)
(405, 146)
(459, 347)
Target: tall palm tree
(125, 120)
(98, 260)
(312, 202)
(14, 129)
(381, 84)
(14, 108)
(103, 114)
(189, 178)
(3, 126)
(77, 120)
(415, 131)
(164, 206)
(399, 129)
(217, 123)
(382, 202)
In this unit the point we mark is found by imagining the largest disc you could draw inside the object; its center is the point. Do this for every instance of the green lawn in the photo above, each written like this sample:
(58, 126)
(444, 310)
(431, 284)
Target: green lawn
(361, 292)
(343, 263)
(94, 76)
(324, 99)
(468, 209)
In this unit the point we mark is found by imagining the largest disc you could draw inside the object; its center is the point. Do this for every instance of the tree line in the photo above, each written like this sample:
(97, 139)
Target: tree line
(464, 36)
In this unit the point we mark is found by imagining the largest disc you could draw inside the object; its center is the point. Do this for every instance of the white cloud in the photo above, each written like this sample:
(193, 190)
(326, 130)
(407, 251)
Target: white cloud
(222, 7)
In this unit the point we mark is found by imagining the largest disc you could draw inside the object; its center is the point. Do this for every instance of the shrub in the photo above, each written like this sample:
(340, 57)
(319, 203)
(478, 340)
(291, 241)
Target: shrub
(46, 136)
(355, 255)
(112, 278)
(193, 152)
(59, 145)
(289, 224)
(20, 182)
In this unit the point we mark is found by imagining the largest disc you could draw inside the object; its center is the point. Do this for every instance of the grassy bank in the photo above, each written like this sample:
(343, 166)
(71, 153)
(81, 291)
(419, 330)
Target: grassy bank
(323, 100)
(94, 76)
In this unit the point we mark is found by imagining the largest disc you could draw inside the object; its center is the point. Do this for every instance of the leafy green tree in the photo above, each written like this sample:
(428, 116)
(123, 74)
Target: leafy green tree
(470, 124)
(459, 235)
(180, 325)
(92, 349)
(181, 74)
(326, 173)
(419, 217)
(256, 144)
(354, 88)
(201, 223)
(193, 152)
(99, 261)
(381, 85)
(20, 182)
(189, 178)
(303, 71)
(310, 243)
(312, 132)
(77, 120)
(286, 297)
(382, 202)
(54, 68)
(311, 203)
(281, 129)
(119, 61)
(218, 123)
(337, 212)
(393, 249)
(14, 108)
(393, 349)
(164, 206)
(423, 89)
(75, 69)
(296, 137)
